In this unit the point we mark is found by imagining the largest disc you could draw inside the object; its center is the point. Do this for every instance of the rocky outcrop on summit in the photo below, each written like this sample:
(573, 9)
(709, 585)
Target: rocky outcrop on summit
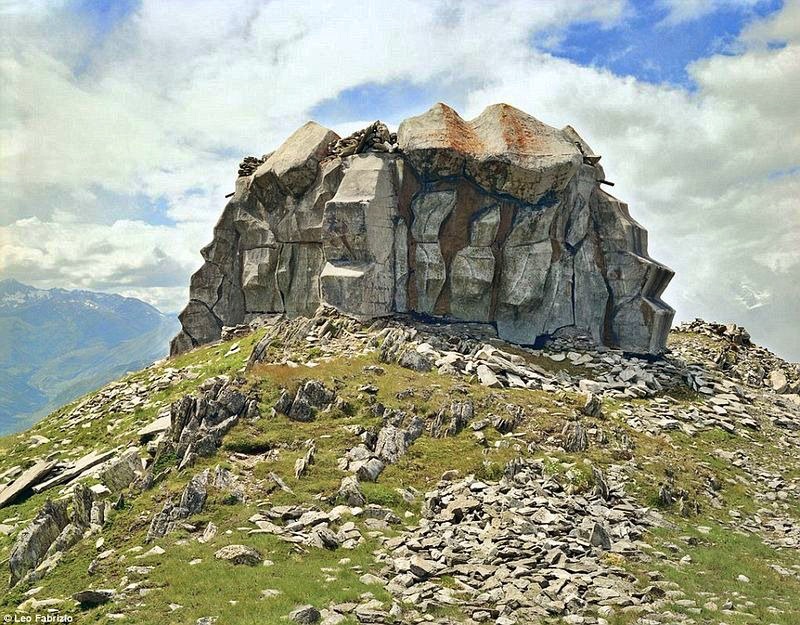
(498, 220)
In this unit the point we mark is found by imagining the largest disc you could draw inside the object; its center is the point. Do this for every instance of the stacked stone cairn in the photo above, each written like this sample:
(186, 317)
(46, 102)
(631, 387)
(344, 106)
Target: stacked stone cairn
(374, 138)
(249, 165)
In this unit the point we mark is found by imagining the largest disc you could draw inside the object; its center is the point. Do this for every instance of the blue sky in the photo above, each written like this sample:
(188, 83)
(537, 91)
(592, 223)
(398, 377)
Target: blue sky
(104, 15)
(365, 101)
(124, 122)
(644, 44)
(100, 17)
(648, 46)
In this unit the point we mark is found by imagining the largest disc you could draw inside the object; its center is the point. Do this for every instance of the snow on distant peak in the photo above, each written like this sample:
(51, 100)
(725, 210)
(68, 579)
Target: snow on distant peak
(14, 294)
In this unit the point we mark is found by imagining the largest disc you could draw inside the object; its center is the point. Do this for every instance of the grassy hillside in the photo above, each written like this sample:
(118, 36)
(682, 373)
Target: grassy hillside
(725, 552)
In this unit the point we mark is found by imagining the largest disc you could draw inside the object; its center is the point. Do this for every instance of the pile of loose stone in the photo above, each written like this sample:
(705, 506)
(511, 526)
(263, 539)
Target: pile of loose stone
(611, 371)
(472, 351)
(739, 358)
(461, 348)
(729, 331)
(123, 397)
(199, 422)
(508, 552)
(737, 390)
(374, 138)
(718, 401)
(314, 527)
(249, 165)
(520, 550)
(333, 334)
(774, 490)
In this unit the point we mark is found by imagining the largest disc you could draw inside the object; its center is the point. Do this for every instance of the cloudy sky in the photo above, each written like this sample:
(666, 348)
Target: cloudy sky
(122, 123)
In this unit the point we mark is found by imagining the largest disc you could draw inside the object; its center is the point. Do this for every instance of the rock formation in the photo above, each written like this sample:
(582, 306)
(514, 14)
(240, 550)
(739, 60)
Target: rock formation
(498, 220)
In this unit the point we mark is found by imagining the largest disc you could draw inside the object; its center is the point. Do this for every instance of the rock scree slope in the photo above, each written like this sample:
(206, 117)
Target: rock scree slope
(499, 220)
(397, 472)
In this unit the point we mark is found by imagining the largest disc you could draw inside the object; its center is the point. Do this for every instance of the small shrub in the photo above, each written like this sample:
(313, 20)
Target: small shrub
(383, 495)
(553, 466)
(579, 479)
(490, 471)
(164, 461)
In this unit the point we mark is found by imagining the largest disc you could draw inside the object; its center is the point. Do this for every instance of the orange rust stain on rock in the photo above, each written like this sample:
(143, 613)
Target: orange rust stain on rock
(458, 134)
(507, 213)
(454, 234)
(519, 136)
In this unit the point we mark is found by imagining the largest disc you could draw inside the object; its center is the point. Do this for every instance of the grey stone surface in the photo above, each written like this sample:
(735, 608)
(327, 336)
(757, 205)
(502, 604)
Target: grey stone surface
(305, 615)
(239, 554)
(350, 491)
(431, 273)
(121, 472)
(298, 276)
(91, 598)
(259, 281)
(359, 238)
(370, 470)
(294, 164)
(33, 542)
(26, 480)
(471, 277)
(309, 398)
(499, 219)
(504, 543)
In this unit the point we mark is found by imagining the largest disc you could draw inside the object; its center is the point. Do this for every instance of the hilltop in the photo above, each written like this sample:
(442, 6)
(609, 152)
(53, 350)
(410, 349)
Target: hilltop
(422, 377)
(400, 472)
(58, 344)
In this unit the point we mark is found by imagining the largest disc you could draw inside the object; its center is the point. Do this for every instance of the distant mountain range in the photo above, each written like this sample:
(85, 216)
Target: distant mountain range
(56, 345)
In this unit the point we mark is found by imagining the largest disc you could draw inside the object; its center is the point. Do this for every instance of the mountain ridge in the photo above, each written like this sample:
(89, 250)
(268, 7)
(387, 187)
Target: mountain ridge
(423, 378)
(58, 344)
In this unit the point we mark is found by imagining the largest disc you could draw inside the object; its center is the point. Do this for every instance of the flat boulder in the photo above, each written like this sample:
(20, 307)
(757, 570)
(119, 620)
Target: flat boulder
(239, 554)
(295, 162)
(26, 481)
(161, 424)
